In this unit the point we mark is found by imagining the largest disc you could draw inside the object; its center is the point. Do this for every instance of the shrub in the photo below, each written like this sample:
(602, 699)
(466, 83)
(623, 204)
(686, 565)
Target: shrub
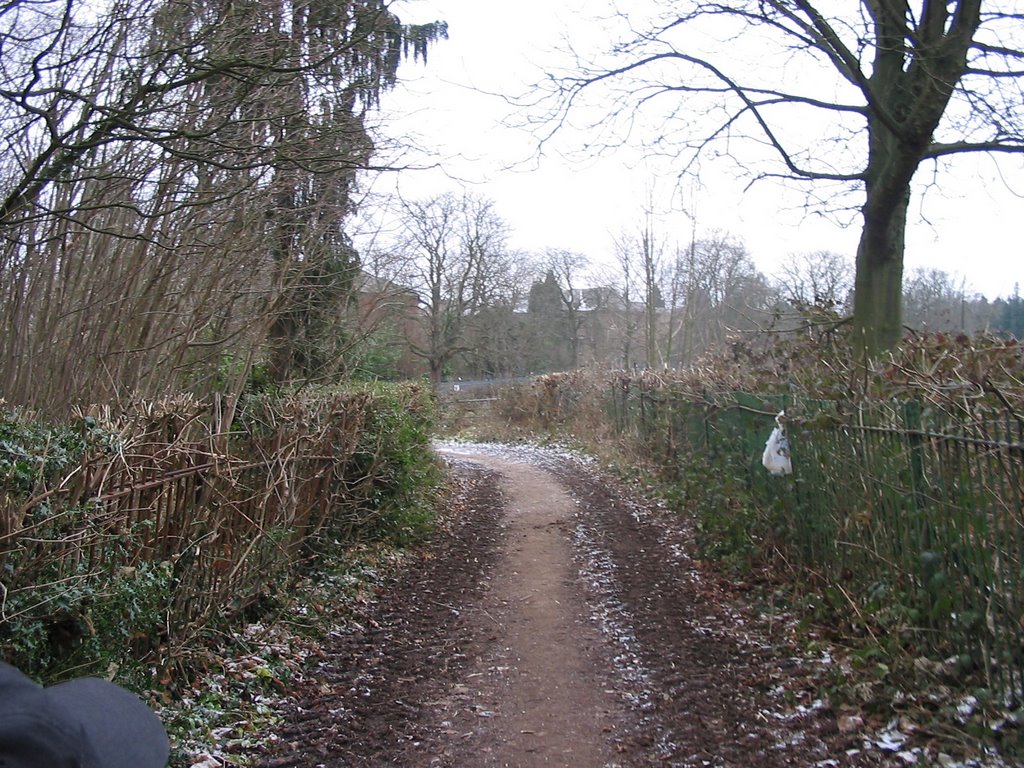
(394, 450)
(109, 560)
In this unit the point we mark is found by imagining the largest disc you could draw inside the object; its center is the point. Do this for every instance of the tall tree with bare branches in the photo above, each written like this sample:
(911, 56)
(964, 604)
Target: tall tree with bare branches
(820, 279)
(839, 98)
(454, 249)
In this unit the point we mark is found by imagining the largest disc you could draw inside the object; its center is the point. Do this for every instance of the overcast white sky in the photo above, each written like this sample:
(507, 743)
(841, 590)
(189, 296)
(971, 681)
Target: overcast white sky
(975, 229)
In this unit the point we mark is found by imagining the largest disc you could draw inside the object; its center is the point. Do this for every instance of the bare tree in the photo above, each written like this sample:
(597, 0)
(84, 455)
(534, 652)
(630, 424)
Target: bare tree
(456, 257)
(724, 292)
(852, 96)
(820, 279)
(679, 295)
(500, 339)
(628, 282)
(936, 301)
(642, 258)
(651, 256)
(568, 269)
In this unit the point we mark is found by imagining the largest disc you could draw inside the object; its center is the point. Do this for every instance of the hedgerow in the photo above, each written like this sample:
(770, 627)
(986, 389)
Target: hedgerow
(128, 541)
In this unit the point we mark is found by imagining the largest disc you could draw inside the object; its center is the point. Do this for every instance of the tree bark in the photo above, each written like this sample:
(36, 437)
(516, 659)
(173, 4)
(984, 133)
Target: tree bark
(878, 294)
(878, 287)
(912, 83)
(435, 374)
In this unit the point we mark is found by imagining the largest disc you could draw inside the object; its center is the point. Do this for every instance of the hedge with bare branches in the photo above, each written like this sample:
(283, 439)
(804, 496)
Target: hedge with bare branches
(127, 538)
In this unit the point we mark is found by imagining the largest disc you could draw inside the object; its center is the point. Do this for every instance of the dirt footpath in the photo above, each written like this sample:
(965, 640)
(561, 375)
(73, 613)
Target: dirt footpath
(536, 697)
(556, 621)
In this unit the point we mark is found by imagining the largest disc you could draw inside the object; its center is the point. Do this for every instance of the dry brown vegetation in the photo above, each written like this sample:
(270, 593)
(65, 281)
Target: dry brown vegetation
(129, 540)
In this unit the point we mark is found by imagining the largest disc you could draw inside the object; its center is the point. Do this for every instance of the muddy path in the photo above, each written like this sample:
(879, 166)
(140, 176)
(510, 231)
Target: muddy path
(557, 621)
(539, 692)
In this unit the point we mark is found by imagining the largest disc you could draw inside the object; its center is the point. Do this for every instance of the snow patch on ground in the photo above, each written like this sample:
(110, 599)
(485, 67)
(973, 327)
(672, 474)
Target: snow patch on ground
(547, 456)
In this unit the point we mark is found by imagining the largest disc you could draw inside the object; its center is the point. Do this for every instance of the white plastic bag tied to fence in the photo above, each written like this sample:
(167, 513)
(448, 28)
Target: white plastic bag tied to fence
(776, 450)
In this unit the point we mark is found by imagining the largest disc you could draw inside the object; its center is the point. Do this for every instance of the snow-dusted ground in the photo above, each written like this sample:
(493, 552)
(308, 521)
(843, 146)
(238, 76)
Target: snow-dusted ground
(698, 674)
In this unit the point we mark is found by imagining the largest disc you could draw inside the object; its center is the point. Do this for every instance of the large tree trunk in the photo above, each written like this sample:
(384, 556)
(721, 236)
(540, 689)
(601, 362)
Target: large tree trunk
(914, 74)
(878, 294)
(436, 369)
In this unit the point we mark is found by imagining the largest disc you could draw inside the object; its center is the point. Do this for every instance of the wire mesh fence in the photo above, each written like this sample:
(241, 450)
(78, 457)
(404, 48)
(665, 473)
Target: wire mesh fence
(910, 513)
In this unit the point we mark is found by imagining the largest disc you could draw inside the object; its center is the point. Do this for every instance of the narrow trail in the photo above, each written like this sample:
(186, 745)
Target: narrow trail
(556, 620)
(535, 698)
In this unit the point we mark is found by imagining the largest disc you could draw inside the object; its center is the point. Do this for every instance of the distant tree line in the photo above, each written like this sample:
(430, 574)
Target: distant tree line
(486, 311)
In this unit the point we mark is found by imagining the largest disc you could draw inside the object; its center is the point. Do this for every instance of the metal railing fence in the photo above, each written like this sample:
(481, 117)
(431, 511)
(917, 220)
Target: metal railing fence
(913, 515)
